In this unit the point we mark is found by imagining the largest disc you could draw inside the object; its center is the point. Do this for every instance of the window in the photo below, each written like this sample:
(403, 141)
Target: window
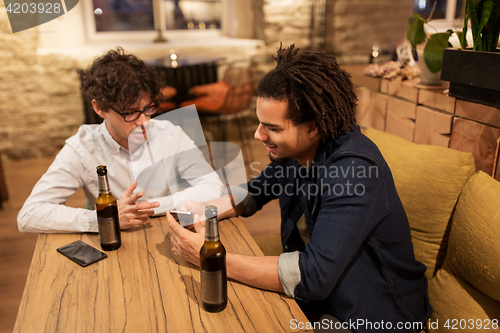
(139, 15)
(445, 9)
(192, 14)
(124, 15)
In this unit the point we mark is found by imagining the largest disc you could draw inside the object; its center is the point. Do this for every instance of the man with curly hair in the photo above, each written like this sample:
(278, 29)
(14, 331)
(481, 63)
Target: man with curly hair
(347, 248)
(125, 93)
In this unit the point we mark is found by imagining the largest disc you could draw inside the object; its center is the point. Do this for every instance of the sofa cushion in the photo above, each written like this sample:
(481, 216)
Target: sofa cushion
(468, 285)
(429, 180)
(454, 301)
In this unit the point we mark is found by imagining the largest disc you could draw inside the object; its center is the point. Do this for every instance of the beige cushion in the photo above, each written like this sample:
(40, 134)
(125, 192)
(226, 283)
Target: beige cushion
(429, 180)
(452, 299)
(468, 285)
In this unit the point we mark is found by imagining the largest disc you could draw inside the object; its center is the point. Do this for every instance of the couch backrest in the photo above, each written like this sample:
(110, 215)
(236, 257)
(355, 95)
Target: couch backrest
(468, 284)
(429, 180)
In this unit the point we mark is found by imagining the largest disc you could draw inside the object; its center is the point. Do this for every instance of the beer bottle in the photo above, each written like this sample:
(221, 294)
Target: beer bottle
(213, 265)
(107, 213)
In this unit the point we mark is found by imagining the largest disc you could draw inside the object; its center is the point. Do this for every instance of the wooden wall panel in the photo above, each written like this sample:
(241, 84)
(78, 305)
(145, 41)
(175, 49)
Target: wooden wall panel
(403, 89)
(371, 109)
(479, 139)
(362, 80)
(400, 118)
(478, 112)
(437, 99)
(432, 127)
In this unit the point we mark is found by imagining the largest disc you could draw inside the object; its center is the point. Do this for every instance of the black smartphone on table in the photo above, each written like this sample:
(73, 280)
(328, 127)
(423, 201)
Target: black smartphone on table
(81, 253)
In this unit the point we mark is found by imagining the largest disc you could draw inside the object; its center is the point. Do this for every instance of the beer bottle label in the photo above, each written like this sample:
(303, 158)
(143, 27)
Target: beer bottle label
(212, 287)
(106, 220)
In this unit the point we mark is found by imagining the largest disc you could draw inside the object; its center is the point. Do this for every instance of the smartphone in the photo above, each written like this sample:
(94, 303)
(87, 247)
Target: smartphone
(81, 253)
(184, 217)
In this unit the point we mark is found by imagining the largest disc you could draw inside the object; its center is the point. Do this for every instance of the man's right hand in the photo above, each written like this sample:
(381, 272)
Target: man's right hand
(131, 213)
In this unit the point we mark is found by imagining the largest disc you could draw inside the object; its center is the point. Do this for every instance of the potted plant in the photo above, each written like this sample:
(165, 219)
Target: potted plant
(432, 45)
(473, 72)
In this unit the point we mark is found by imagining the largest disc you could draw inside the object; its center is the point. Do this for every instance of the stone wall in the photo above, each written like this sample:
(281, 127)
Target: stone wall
(286, 21)
(40, 104)
(40, 100)
(354, 26)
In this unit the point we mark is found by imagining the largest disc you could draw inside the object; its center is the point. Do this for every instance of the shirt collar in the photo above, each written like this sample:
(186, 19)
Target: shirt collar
(109, 140)
(325, 148)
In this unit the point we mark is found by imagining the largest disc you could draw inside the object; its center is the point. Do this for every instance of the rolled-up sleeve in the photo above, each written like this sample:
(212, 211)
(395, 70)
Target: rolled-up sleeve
(289, 272)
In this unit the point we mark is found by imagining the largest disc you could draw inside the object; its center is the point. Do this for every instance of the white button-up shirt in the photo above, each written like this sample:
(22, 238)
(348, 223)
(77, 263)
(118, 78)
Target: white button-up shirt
(171, 159)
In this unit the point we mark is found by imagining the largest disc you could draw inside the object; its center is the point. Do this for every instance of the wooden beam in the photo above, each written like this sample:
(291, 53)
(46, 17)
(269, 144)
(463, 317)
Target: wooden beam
(437, 99)
(403, 89)
(432, 127)
(479, 112)
(479, 139)
(400, 117)
(371, 108)
(362, 80)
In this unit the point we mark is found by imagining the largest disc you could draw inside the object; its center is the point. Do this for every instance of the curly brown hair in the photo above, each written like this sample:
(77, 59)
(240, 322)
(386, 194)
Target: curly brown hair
(117, 80)
(315, 87)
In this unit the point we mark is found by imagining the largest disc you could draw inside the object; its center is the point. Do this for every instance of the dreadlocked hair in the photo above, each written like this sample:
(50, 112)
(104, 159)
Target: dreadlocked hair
(118, 80)
(315, 87)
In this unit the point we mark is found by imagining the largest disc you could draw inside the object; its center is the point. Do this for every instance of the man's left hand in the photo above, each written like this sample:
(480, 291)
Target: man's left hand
(131, 212)
(186, 243)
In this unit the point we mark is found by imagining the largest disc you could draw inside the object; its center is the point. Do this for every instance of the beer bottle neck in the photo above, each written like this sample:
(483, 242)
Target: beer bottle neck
(212, 230)
(103, 184)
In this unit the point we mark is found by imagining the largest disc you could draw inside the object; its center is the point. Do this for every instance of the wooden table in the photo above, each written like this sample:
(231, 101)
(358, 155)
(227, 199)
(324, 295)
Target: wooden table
(143, 287)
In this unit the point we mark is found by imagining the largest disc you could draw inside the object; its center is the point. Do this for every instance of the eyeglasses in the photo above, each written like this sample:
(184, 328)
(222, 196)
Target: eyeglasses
(134, 115)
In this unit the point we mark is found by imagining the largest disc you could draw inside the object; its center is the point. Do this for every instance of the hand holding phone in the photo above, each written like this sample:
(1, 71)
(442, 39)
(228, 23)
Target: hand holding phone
(184, 217)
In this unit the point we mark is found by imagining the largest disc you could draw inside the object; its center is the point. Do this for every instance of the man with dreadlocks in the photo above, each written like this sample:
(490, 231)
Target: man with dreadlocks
(345, 235)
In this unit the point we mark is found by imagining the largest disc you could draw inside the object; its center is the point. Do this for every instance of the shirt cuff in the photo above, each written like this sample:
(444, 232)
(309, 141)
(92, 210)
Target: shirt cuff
(289, 272)
(241, 194)
(91, 216)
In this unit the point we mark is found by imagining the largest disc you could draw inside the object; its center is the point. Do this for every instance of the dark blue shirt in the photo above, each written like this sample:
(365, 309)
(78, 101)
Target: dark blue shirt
(360, 254)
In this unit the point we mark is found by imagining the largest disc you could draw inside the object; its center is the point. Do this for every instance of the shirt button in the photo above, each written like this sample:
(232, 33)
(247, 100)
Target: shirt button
(297, 209)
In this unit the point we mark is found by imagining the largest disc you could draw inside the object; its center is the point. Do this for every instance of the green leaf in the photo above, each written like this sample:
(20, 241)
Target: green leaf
(493, 27)
(460, 38)
(474, 23)
(463, 35)
(485, 16)
(433, 52)
(415, 30)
